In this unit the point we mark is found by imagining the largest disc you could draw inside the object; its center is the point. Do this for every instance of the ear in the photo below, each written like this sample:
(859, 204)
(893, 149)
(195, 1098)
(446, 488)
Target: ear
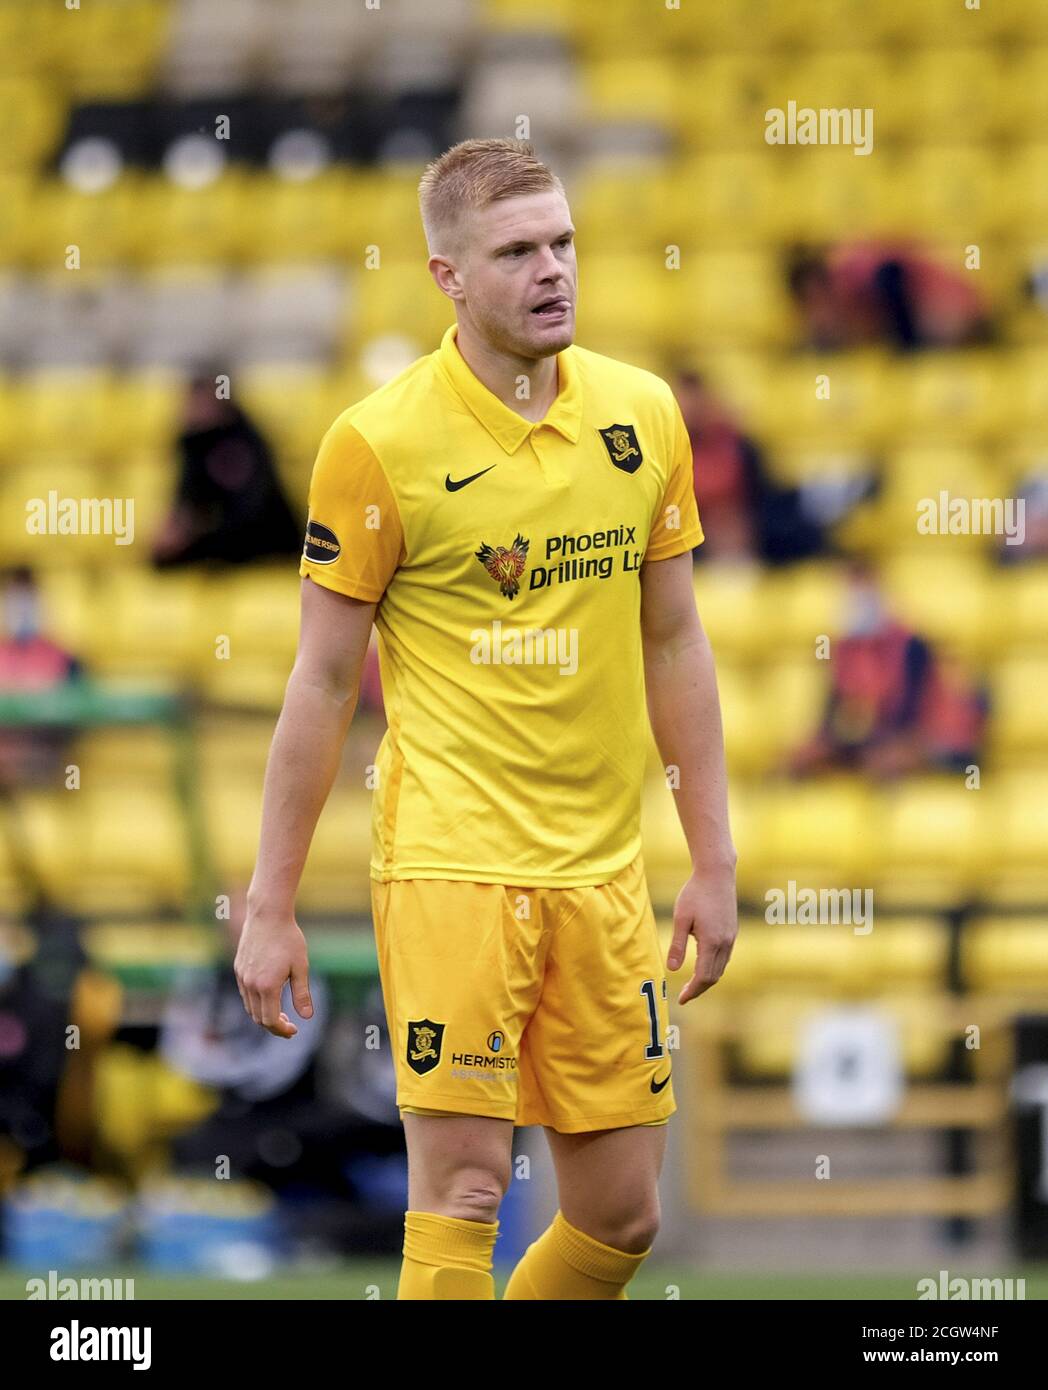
(446, 276)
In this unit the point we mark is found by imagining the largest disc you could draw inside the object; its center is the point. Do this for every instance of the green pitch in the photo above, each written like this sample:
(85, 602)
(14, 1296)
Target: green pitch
(353, 1279)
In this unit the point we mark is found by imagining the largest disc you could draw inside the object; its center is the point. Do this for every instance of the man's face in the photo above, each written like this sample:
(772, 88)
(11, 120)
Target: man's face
(515, 275)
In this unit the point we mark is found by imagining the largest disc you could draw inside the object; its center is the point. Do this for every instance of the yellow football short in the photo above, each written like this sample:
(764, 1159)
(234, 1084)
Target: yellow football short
(545, 1006)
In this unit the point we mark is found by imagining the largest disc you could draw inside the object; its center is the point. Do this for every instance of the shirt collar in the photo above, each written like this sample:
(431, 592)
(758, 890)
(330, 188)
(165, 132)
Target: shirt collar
(503, 424)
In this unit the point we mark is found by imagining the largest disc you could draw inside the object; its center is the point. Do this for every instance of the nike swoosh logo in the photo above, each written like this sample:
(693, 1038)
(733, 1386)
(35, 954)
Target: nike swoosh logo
(656, 1086)
(453, 486)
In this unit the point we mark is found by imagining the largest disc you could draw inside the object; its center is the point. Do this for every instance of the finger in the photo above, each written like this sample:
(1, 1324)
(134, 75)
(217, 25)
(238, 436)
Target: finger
(271, 1006)
(283, 1028)
(300, 995)
(679, 945)
(254, 1000)
(709, 967)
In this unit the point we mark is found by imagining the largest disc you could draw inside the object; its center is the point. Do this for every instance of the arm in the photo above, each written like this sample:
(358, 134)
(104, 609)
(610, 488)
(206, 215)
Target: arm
(685, 719)
(303, 760)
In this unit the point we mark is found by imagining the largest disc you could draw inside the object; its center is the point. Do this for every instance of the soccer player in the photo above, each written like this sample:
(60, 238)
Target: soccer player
(516, 515)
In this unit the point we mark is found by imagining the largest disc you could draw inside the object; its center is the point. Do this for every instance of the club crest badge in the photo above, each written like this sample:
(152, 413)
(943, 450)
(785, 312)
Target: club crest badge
(424, 1043)
(623, 449)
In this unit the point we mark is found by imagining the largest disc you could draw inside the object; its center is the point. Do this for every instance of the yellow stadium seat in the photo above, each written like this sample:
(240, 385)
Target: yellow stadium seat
(802, 604)
(1019, 599)
(1005, 955)
(898, 954)
(667, 861)
(197, 226)
(67, 601)
(952, 396)
(917, 515)
(723, 200)
(733, 297)
(820, 834)
(947, 598)
(336, 876)
(62, 410)
(746, 740)
(79, 233)
(32, 114)
(145, 408)
(135, 848)
(942, 90)
(318, 219)
(49, 836)
(1019, 712)
(730, 600)
(25, 493)
(794, 696)
(836, 399)
(397, 297)
(1015, 831)
(624, 86)
(830, 195)
(151, 624)
(633, 202)
(104, 755)
(632, 298)
(110, 51)
(952, 191)
(845, 81)
(933, 844)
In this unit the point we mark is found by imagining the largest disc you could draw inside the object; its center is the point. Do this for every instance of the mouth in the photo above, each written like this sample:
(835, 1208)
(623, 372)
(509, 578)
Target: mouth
(555, 307)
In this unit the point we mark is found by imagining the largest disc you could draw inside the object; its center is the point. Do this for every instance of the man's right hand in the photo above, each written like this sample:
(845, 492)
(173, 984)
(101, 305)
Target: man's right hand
(272, 951)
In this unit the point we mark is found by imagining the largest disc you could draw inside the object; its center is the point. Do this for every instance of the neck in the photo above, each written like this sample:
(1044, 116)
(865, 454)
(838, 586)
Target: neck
(501, 373)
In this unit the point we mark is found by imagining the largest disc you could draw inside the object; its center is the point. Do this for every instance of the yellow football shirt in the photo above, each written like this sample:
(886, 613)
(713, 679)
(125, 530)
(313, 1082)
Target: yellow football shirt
(504, 557)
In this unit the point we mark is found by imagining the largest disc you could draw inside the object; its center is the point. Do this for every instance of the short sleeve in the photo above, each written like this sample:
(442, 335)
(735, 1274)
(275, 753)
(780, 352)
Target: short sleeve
(354, 538)
(675, 526)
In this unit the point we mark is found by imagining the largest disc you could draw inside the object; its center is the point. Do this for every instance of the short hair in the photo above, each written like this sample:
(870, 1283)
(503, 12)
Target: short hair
(475, 173)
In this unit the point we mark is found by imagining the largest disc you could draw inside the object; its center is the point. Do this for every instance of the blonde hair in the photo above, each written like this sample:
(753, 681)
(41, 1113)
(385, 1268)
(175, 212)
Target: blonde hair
(473, 174)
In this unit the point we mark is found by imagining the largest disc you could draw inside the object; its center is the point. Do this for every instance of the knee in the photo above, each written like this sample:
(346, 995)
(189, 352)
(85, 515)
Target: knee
(631, 1229)
(473, 1194)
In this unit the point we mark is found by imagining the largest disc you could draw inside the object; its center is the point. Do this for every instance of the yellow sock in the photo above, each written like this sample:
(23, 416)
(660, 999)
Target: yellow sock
(447, 1258)
(566, 1263)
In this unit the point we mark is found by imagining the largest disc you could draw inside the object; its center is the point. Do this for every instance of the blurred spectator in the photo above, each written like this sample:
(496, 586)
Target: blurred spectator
(274, 1120)
(893, 706)
(30, 662)
(46, 1085)
(745, 516)
(884, 292)
(229, 505)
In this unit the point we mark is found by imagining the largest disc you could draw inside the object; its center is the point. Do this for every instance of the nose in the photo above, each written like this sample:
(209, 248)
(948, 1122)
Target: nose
(549, 268)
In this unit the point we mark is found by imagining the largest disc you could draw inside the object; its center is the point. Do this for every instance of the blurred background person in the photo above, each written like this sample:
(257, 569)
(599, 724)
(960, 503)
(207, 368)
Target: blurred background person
(883, 291)
(893, 707)
(746, 516)
(229, 504)
(31, 663)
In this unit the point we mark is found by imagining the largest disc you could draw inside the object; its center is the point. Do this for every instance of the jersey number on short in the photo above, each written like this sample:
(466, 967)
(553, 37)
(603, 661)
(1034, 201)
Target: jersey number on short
(654, 1049)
